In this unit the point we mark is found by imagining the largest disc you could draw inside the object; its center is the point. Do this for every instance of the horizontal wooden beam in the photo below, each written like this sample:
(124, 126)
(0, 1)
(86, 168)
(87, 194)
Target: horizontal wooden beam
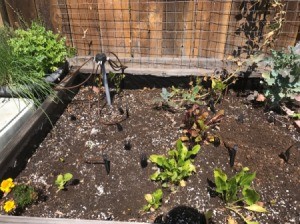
(164, 67)
(5, 219)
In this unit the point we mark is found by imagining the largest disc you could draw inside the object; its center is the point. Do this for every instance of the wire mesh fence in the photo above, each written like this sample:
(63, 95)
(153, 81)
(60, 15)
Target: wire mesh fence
(188, 34)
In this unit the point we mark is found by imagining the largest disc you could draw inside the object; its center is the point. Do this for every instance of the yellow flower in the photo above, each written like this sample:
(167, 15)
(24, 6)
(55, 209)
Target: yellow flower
(9, 206)
(7, 185)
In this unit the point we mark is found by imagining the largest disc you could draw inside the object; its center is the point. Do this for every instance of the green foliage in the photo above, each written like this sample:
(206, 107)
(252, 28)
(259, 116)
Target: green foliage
(17, 73)
(237, 189)
(116, 79)
(177, 166)
(283, 81)
(153, 200)
(240, 183)
(24, 195)
(177, 98)
(218, 85)
(61, 180)
(48, 49)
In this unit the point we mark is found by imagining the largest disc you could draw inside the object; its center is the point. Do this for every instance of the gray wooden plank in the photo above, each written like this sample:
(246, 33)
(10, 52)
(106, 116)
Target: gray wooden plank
(162, 67)
(5, 219)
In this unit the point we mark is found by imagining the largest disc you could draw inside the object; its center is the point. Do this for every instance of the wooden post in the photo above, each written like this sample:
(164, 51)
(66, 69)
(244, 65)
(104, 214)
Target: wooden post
(20, 12)
(1, 21)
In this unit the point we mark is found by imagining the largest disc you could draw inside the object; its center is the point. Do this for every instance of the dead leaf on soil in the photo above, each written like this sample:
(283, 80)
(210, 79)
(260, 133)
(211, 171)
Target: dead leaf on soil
(231, 220)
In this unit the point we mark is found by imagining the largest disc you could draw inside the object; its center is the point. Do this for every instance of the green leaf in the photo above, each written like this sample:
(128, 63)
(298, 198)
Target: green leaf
(255, 208)
(232, 188)
(149, 198)
(59, 179)
(194, 151)
(220, 181)
(158, 159)
(155, 175)
(247, 179)
(251, 222)
(157, 195)
(67, 177)
(250, 195)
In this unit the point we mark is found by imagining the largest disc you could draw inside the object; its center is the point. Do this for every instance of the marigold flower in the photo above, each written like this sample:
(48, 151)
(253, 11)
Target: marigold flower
(7, 185)
(9, 206)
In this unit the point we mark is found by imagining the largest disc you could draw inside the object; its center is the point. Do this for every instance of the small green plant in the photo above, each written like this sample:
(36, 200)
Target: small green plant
(24, 195)
(116, 79)
(176, 167)
(153, 200)
(62, 180)
(177, 98)
(20, 195)
(196, 124)
(282, 83)
(18, 75)
(48, 49)
(237, 192)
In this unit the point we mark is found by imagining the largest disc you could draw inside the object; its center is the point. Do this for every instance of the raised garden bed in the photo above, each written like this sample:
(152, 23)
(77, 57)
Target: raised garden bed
(86, 131)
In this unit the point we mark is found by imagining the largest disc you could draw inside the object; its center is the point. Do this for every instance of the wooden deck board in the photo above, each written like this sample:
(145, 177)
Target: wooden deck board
(5, 219)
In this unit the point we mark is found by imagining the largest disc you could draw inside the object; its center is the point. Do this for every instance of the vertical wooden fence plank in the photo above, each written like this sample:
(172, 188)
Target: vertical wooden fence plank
(114, 23)
(289, 31)
(48, 12)
(1, 21)
(201, 29)
(19, 11)
(189, 29)
(219, 19)
(156, 10)
(83, 16)
(61, 20)
(107, 25)
(121, 28)
(3, 13)
(173, 29)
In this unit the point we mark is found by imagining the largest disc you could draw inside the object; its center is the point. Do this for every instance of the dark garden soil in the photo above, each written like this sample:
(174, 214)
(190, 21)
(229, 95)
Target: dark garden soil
(79, 140)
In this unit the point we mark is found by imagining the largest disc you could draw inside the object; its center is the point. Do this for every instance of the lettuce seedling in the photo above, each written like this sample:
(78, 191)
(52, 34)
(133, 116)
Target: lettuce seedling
(237, 192)
(62, 180)
(153, 200)
(177, 166)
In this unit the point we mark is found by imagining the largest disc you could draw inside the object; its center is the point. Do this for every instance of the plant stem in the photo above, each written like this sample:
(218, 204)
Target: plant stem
(235, 210)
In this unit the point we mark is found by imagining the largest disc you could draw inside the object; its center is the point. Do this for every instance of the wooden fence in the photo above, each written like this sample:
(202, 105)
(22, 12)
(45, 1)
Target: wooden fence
(160, 33)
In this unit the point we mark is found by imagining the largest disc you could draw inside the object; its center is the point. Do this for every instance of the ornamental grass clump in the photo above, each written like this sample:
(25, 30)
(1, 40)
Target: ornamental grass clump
(18, 75)
(16, 196)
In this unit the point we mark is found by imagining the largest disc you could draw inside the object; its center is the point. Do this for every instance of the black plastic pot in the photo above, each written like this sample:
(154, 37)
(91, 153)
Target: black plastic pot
(182, 215)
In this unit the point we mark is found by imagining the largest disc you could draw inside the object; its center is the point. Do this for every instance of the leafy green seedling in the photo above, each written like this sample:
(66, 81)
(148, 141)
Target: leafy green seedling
(153, 200)
(24, 195)
(62, 179)
(237, 190)
(282, 82)
(116, 79)
(177, 166)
